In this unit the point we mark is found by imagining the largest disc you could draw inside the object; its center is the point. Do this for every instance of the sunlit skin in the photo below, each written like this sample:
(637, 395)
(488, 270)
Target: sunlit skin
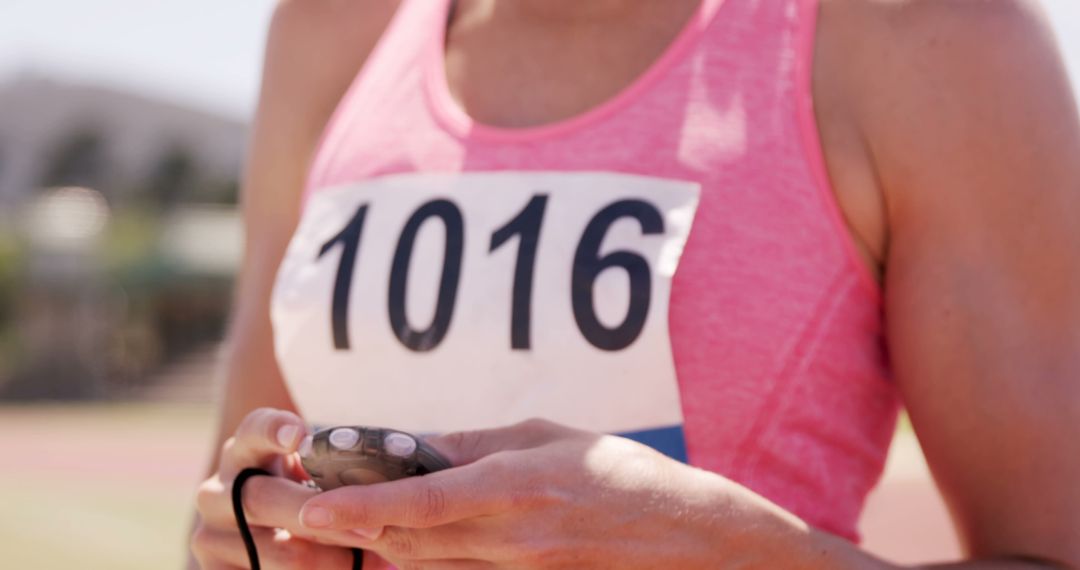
(951, 139)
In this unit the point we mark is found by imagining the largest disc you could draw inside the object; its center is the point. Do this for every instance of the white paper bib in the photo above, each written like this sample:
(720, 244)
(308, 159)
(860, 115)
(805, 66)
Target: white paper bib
(444, 302)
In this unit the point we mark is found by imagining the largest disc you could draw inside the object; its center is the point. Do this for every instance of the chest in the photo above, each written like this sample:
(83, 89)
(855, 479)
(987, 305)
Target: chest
(443, 302)
(510, 67)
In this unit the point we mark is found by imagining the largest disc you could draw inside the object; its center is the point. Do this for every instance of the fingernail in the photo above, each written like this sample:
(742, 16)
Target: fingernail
(316, 517)
(286, 436)
(368, 533)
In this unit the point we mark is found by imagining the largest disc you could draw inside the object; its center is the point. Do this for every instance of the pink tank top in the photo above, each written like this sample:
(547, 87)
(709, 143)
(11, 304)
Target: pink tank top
(670, 265)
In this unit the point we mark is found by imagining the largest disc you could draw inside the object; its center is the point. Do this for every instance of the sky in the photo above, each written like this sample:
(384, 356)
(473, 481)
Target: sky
(205, 52)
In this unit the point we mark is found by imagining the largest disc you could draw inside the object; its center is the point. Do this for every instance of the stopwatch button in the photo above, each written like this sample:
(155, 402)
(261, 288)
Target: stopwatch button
(399, 445)
(344, 438)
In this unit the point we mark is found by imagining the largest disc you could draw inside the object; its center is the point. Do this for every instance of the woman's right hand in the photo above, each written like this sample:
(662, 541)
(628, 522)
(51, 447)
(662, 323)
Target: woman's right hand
(267, 439)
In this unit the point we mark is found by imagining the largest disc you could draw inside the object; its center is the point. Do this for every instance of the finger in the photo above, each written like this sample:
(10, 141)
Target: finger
(444, 565)
(226, 547)
(372, 561)
(465, 447)
(466, 540)
(277, 550)
(263, 436)
(418, 502)
(268, 501)
(217, 565)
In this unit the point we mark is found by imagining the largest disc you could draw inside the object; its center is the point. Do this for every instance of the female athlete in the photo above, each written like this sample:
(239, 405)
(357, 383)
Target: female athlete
(713, 244)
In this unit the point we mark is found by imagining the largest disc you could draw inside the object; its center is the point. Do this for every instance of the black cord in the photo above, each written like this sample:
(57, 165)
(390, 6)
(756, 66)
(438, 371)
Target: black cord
(245, 530)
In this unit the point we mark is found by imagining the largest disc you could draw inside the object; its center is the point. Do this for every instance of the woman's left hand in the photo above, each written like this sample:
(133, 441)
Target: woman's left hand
(539, 495)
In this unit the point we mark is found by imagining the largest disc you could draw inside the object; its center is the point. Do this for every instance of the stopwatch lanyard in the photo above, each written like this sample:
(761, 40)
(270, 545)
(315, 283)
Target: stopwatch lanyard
(245, 530)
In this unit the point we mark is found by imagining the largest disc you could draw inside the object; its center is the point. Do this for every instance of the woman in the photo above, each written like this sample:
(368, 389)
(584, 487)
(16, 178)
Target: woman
(733, 230)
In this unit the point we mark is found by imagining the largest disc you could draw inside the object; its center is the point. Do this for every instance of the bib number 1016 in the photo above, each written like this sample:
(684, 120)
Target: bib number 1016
(588, 264)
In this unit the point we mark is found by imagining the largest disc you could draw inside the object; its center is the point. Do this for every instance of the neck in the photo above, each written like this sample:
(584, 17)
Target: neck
(555, 11)
(575, 10)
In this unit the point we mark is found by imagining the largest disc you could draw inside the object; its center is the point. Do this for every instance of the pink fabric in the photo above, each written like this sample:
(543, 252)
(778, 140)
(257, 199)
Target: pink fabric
(775, 323)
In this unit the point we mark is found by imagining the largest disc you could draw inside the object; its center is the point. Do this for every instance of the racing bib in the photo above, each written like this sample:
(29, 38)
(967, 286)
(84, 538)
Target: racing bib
(444, 302)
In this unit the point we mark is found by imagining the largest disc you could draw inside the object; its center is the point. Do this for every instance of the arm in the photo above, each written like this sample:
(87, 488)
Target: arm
(974, 138)
(311, 59)
(314, 49)
(984, 279)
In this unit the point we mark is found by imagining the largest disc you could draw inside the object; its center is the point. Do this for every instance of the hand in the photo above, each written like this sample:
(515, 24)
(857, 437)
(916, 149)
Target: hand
(268, 439)
(537, 495)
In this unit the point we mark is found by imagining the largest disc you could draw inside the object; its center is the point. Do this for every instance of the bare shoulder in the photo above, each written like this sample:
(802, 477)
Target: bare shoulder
(319, 29)
(909, 24)
(930, 79)
(315, 47)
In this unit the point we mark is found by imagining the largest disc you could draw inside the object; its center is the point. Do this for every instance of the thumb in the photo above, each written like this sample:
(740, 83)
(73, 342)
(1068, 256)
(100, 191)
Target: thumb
(464, 447)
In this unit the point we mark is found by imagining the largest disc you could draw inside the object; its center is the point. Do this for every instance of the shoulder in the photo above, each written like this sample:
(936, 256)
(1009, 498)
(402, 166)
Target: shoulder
(315, 47)
(307, 23)
(910, 20)
(324, 40)
(929, 79)
(928, 106)
(903, 45)
(916, 39)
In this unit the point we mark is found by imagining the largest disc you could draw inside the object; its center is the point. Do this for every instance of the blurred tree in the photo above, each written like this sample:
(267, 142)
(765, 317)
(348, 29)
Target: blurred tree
(173, 178)
(9, 260)
(225, 192)
(79, 159)
(9, 271)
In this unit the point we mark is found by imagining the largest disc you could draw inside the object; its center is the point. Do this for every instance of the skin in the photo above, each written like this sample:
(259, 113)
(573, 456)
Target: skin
(950, 136)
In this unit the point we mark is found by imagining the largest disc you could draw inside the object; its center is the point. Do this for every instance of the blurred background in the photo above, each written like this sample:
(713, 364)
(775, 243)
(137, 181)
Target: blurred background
(122, 129)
